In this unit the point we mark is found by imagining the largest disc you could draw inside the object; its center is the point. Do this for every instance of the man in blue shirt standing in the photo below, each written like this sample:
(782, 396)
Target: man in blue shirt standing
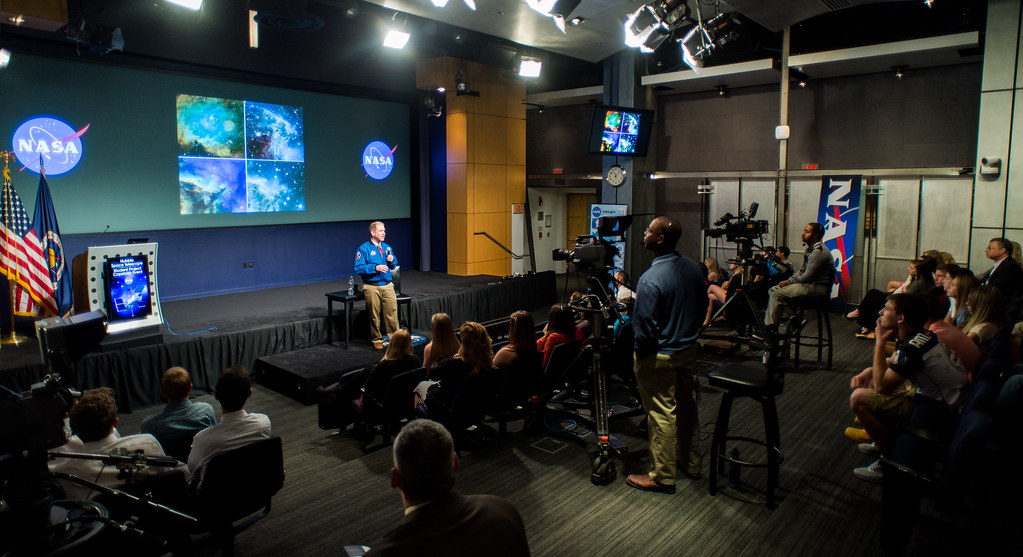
(671, 303)
(374, 261)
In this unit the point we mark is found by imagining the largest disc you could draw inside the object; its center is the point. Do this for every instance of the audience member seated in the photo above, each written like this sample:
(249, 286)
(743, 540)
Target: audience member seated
(438, 520)
(717, 294)
(942, 274)
(715, 275)
(812, 282)
(521, 341)
(345, 399)
(559, 329)
(237, 427)
(880, 399)
(443, 342)
(919, 281)
(987, 315)
(181, 418)
(474, 355)
(93, 422)
(583, 326)
(621, 285)
(958, 288)
(624, 317)
(961, 345)
(1006, 274)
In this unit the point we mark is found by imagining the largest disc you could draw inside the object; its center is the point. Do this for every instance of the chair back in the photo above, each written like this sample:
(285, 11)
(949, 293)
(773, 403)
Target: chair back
(396, 402)
(240, 482)
(396, 279)
(179, 447)
(558, 366)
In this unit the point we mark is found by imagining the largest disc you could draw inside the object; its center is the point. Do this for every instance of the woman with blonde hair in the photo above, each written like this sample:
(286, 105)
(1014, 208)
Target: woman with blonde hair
(521, 341)
(987, 307)
(714, 273)
(474, 355)
(958, 289)
(443, 342)
(398, 359)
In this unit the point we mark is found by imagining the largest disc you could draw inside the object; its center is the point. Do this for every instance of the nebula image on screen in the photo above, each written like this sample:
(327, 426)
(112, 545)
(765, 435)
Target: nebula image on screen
(630, 123)
(275, 186)
(239, 156)
(274, 131)
(210, 127)
(211, 185)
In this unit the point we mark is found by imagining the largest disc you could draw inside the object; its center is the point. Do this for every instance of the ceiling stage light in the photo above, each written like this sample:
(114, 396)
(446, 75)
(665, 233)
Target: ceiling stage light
(530, 67)
(651, 24)
(396, 39)
(439, 3)
(705, 36)
(558, 10)
(190, 4)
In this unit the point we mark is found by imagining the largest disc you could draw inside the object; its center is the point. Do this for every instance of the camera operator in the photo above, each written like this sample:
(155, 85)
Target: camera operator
(813, 280)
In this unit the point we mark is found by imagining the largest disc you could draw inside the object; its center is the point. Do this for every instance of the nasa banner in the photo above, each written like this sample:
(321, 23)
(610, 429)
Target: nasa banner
(610, 210)
(839, 213)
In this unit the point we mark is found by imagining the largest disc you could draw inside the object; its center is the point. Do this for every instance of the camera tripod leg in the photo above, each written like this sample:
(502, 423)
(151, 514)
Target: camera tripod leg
(603, 467)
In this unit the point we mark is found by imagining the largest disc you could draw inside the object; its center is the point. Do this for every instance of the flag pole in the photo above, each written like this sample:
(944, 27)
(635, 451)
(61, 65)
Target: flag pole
(13, 338)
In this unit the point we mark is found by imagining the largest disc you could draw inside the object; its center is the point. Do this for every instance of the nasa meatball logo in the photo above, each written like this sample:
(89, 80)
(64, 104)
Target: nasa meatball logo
(378, 160)
(50, 139)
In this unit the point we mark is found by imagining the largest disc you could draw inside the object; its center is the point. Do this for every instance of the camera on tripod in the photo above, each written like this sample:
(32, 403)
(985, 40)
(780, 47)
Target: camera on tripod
(595, 254)
(743, 227)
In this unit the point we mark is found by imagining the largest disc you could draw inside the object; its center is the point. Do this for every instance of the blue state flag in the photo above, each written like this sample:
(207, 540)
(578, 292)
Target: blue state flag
(47, 231)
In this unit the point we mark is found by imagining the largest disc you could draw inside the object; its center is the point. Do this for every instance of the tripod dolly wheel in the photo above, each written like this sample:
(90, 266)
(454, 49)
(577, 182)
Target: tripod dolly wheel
(603, 470)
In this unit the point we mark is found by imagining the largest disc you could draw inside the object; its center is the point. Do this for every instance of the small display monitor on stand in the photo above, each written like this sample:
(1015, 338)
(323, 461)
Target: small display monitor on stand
(122, 281)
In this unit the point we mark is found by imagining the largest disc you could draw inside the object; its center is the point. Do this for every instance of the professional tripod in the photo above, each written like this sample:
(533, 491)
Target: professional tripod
(593, 406)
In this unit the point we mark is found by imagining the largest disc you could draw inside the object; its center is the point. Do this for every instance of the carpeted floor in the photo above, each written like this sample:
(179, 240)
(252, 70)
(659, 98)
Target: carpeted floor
(336, 494)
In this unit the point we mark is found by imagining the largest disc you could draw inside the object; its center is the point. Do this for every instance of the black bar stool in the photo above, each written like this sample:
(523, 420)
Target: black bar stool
(819, 341)
(760, 383)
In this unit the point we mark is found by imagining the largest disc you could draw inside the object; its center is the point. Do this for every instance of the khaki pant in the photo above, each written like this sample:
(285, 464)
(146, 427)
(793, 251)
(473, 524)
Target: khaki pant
(782, 298)
(666, 387)
(378, 297)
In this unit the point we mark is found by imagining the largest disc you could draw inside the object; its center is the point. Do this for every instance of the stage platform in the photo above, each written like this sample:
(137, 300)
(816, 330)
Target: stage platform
(206, 335)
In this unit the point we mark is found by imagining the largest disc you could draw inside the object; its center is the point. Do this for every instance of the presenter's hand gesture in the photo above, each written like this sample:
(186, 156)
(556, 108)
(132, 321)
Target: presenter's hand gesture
(382, 268)
(390, 258)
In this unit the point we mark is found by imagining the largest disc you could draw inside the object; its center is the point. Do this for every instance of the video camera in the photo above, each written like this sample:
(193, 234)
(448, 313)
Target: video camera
(595, 254)
(743, 227)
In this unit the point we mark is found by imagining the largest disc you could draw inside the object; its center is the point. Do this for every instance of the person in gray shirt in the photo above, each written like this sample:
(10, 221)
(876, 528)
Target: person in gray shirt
(813, 280)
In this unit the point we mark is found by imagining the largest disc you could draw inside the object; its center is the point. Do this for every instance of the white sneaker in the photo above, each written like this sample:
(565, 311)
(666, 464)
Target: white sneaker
(870, 449)
(872, 473)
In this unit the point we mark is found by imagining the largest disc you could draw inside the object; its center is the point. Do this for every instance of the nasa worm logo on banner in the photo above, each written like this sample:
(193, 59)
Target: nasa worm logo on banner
(378, 160)
(49, 138)
(839, 213)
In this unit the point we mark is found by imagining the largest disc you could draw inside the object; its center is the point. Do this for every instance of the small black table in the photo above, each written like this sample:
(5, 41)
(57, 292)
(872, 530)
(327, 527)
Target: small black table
(348, 299)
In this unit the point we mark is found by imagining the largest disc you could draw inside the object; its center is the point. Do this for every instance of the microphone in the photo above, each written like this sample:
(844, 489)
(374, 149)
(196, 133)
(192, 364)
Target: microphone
(96, 237)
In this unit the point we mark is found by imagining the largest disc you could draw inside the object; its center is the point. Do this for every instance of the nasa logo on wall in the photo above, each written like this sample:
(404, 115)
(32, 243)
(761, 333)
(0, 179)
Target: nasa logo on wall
(378, 160)
(49, 138)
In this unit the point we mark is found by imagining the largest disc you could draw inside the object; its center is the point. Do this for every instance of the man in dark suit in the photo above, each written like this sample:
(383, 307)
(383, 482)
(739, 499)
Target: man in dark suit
(438, 520)
(1006, 275)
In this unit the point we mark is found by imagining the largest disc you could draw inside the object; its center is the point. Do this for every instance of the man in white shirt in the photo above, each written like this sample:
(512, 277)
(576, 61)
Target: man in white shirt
(236, 428)
(93, 422)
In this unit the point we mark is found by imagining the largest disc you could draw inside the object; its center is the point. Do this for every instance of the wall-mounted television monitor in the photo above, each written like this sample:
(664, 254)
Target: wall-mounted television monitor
(616, 130)
(127, 287)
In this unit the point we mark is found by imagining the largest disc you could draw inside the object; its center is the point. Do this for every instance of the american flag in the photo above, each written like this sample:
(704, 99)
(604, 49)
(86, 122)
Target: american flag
(21, 257)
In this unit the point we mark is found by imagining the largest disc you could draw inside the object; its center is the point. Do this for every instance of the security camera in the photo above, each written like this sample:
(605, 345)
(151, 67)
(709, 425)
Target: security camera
(990, 166)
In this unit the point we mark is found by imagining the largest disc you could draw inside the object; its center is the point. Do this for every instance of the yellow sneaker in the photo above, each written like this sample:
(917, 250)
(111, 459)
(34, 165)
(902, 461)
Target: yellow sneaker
(858, 435)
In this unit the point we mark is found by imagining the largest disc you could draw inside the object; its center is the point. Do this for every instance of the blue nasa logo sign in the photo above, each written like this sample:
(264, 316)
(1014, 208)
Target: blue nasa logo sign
(51, 139)
(378, 160)
(596, 212)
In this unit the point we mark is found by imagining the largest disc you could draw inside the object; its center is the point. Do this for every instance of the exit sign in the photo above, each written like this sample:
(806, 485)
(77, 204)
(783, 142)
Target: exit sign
(813, 166)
